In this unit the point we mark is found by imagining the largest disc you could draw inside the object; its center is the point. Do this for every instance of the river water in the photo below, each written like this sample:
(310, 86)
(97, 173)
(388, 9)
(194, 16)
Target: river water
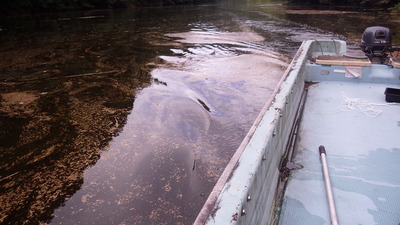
(129, 116)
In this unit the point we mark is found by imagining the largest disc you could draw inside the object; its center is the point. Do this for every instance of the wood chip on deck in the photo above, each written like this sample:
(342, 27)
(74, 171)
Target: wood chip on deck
(395, 62)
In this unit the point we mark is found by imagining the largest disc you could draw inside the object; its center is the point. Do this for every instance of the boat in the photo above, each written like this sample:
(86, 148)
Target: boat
(325, 149)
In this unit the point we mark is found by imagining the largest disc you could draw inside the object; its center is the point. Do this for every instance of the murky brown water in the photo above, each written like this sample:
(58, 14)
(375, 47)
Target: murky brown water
(129, 117)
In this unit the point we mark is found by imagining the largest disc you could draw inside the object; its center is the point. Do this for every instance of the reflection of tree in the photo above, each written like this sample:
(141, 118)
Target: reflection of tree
(61, 103)
(376, 3)
(9, 6)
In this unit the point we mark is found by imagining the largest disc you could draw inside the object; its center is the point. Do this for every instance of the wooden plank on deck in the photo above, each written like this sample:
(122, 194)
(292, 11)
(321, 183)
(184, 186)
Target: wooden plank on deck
(342, 60)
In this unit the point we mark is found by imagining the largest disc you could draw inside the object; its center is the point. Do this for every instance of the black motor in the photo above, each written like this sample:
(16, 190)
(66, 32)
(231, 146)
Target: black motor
(376, 41)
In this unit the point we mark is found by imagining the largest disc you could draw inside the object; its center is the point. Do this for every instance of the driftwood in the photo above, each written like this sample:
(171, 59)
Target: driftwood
(58, 78)
(83, 75)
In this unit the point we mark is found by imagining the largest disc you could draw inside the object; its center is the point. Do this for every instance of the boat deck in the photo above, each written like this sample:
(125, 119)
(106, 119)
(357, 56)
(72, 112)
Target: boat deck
(361, 134)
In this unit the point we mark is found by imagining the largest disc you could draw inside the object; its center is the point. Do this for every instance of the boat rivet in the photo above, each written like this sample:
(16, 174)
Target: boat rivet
(243, 212)
(273, 134)
(264, 158)
(248, 198)
(280, 114)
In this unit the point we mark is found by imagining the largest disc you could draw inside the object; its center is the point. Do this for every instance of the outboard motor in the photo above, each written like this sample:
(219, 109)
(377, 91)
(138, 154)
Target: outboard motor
(376, 42)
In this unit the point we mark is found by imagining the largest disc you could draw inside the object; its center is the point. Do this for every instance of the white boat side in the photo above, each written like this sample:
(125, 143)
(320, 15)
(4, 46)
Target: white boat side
(249, 189)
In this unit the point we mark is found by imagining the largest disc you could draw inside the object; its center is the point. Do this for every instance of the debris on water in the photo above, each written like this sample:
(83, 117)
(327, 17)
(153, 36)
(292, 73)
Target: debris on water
(157, 81)
(204, 105)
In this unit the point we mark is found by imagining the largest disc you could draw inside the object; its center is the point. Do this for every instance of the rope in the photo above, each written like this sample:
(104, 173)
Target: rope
(362, 105)
(334, 44)
(322, 50)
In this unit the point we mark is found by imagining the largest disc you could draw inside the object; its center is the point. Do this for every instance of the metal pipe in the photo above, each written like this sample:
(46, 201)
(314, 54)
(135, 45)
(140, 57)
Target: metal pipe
(328, 186)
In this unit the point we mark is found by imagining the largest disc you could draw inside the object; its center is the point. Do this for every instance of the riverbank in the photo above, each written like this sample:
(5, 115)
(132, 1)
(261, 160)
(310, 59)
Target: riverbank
(385, 5)
(11, 7)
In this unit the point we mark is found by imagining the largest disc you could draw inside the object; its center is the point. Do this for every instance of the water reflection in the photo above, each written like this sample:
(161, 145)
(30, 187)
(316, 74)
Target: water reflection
(346, 21)
(181, 132)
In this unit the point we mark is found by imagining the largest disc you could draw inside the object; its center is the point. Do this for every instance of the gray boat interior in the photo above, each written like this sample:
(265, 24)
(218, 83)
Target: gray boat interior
(275, 176)
(345, 111)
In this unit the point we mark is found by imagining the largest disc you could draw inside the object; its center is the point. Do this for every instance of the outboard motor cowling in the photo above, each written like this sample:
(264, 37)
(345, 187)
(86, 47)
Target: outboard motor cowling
(376, 41)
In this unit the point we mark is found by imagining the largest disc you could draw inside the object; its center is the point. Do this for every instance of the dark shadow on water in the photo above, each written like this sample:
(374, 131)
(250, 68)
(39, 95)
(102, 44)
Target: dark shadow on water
(67, 86)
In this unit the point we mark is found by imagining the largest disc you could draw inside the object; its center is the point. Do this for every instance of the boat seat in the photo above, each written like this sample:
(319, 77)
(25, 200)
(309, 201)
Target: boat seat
(342, 60)
(395, 62)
